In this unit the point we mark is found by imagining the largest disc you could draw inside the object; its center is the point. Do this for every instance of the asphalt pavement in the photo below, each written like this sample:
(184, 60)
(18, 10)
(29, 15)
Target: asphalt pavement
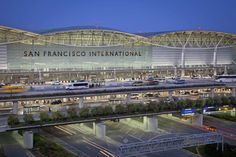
(81, 137)
(11, 146)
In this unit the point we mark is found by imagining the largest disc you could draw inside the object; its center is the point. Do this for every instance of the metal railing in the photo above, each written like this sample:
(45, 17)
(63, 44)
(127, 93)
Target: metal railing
(171, 143)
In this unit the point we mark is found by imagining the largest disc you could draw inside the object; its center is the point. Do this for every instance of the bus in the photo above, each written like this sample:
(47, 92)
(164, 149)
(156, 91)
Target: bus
(78, 85)
(13, 88)
(225, 78)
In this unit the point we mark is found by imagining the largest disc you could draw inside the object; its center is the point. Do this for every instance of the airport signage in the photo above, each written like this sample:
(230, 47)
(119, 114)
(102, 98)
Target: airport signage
(75, 53)
(188, 112)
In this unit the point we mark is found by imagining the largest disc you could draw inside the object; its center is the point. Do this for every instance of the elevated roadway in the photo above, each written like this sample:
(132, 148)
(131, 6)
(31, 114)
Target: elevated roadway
(38, 124)
(62, 93)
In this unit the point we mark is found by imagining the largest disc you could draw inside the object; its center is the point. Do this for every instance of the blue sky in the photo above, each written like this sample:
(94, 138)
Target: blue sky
(126, 15)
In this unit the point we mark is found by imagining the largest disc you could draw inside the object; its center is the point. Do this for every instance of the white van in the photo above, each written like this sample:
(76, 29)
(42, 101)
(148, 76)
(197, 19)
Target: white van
(77, 85)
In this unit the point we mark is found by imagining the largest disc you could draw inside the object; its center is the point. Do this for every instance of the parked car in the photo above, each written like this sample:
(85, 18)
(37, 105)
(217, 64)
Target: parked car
(56, 102)
(138, 83)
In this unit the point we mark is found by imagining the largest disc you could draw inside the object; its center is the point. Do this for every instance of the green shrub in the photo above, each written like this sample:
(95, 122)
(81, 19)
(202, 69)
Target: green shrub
(72, 112)
(97, 111)
(225, 100)
(57, 116)
(84, 113)
(151, 107)
(120, 109)
(13, 120)
(48, 148)
(199, 103)
(107, 110)
(210, 151)
(44, 117)
(28, 118)
(209, 102)
(217, 101)
(131, 108)
(140, 108)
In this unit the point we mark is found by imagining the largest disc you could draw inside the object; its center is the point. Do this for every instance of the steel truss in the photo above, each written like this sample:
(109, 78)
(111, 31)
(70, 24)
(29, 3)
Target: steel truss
(104, 37)
(165, 144)
(194, 39)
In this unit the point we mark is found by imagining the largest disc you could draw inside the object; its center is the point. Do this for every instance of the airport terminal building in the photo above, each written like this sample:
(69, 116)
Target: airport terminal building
(98, 52)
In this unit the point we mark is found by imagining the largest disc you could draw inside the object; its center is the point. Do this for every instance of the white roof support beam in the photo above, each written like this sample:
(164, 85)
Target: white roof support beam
(215, 51)
(183, 53)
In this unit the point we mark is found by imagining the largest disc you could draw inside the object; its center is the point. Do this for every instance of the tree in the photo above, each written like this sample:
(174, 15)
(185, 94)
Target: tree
(181, 103)
(97, 111)
(120, 109)
(131, 108)
(225, 100)
(13, 120)
(189, 103)
(151, 107)
(209, 102)
(199, 103)
(57, 116)
(217, 101)
(84, 112)
(160, 106)
(232, 101)
(172, 106)
(44, 117)
(28, 118)
(107, 110)
(140, 108)
(72, 112)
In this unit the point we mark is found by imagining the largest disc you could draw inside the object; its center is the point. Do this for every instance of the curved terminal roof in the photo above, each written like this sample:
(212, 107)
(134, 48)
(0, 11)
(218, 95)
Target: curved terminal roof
(94, 36)
(194, 39)
(75, 28)
(9, 35)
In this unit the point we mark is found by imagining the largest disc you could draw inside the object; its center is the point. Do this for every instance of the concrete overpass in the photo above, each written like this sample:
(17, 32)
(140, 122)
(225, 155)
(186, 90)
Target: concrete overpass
(38, 124)
(38, 95)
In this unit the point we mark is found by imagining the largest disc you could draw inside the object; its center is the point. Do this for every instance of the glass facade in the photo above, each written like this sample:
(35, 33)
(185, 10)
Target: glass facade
(99, 49)
(45, 57)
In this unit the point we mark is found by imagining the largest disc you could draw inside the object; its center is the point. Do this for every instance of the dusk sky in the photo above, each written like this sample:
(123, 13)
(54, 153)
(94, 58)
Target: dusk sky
(133, 16)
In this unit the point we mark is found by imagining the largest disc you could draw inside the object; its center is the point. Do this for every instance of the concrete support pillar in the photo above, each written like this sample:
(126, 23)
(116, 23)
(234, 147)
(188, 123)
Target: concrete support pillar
(212, 94)
(215, 71)
(81, 102)
(233, 112)
(128, 98)
(225, 71)
(170, 93)
(28, 139)
(175, 72)
(150, 123)
(15, 107)
(100, 130)
(233, 92)
(94, 128)
(197, 120)
(182, 72)
(65, 99)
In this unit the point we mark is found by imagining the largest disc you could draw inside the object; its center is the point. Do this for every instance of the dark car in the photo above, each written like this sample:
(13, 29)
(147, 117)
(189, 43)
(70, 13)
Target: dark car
(56, 102)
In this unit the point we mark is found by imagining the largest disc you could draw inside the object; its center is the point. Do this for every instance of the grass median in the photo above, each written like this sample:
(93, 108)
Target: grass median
(225, 117)
(210, 150)
(48, 148)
